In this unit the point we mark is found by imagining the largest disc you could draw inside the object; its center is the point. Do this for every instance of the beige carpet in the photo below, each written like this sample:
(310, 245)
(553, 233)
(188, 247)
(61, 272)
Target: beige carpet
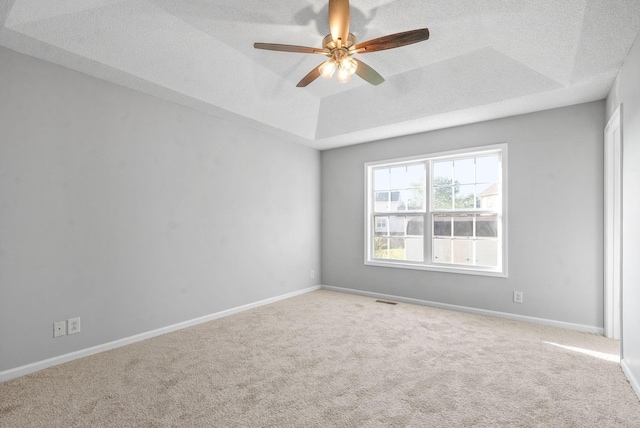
(326, 359)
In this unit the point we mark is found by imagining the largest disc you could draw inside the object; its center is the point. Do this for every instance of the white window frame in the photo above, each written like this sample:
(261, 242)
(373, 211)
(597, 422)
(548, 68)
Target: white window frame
(428, 264)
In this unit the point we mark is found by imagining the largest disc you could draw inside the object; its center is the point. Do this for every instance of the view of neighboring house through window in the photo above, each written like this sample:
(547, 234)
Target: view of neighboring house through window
(441, 212)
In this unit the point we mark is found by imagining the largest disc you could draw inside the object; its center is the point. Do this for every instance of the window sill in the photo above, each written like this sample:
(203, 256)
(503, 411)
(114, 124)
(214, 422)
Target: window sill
(436, 268)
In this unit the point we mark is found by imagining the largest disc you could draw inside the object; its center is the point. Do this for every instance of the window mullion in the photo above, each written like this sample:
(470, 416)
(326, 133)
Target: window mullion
(427, 233)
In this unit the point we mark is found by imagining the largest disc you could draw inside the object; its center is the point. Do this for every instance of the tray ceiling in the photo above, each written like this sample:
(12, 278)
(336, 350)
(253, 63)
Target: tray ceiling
(484, 60)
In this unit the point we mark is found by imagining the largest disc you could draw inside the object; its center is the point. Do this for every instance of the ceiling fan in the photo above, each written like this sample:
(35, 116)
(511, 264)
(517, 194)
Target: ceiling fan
(341, 45)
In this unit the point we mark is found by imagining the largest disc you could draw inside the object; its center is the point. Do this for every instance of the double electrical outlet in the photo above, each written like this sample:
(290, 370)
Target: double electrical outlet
(518, 296)
(68, 327)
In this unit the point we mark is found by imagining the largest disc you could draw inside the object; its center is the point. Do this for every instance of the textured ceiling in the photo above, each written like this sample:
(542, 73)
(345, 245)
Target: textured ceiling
(485, 59)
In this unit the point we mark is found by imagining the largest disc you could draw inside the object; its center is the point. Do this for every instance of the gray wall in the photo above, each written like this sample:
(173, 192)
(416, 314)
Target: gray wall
(135, 213)
(555, 206)
(626, 91)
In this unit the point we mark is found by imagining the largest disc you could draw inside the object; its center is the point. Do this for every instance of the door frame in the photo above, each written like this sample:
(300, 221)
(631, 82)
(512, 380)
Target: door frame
(613, 226)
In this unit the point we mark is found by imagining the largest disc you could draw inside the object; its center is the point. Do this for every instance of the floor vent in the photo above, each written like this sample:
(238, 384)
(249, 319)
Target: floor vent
(384, 301)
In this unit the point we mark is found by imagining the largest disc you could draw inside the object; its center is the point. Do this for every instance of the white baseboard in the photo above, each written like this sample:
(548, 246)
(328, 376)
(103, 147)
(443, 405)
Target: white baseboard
(543, 321)
(39, 365)
(634, 381)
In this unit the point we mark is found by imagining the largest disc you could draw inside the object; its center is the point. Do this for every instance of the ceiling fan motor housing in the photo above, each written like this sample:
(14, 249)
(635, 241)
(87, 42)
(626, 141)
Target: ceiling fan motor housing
(329, 44)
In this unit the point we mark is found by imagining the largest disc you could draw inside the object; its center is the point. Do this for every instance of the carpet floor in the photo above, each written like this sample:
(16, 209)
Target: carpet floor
(328, 359)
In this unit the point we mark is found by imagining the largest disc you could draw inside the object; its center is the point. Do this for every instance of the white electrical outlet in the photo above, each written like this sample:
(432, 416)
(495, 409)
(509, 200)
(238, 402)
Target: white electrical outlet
(313, 274)
(59, 328)
(518, 296)
(73, 325)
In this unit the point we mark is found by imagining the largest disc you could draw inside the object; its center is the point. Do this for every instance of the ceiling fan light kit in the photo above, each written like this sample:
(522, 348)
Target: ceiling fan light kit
(341, 45)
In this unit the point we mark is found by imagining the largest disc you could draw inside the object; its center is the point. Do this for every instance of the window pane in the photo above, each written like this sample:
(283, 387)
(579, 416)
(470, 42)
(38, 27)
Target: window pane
(415, 226)
(414, 249)
(381, 248)
(442, 198)
(465, 196)
(463, 226)
(396, 248)
(401, 203)
(398, 177)
(463, 251)
(487, 252)
(381, 179)
(397, 225)
(395, 200)
(463, 171)
(442, 250)
(415, 199)
(487, 225)
(442, 225)
(489, 196)
(443, 171)
(382, 201)
(487, 169)
(416, 175)
(381, 225)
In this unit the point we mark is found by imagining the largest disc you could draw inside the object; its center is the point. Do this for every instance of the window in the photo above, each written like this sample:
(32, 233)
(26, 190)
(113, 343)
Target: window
(441, 212)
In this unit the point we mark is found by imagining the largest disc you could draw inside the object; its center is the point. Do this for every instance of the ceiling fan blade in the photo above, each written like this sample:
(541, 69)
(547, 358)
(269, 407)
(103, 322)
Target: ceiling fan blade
(339, 17)
(368, 73)
(287, 48)
(313, 75)
(393, 41)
